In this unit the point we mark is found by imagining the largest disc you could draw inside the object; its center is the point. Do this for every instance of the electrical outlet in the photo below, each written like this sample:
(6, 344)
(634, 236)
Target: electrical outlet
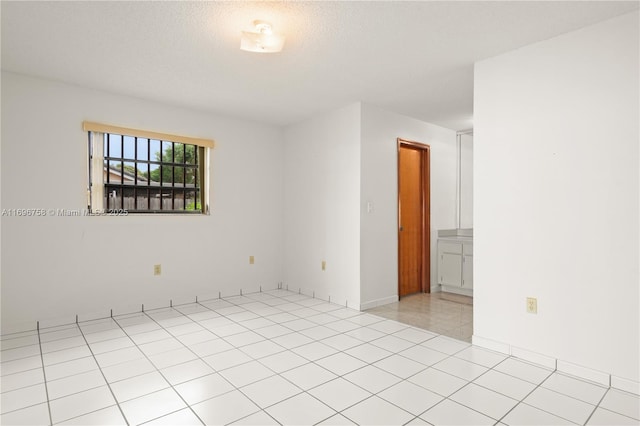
(324, 265)
(532, 305)
(252, 260)
(157, 269)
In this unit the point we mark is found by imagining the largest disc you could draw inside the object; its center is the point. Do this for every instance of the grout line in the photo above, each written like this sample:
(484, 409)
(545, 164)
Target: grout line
(44, 375)
(157, 370)
(103, 376)
(265, 314)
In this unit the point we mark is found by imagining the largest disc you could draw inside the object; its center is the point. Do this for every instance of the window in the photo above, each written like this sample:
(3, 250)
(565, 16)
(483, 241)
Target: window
(145, 172)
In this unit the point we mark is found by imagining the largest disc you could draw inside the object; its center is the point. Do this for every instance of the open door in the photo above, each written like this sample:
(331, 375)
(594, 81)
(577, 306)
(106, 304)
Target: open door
(414, 245)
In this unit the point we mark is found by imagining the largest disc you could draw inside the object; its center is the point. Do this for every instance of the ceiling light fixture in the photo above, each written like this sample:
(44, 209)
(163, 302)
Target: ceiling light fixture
(263, 40)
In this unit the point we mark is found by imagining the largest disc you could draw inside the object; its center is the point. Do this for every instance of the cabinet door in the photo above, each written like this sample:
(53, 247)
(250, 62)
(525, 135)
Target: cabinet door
(467, 272)
(450, 269)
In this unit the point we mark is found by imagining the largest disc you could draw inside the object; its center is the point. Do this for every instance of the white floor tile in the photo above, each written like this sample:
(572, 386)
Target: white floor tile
(109, 334)
(186, 371)
(34, 415)
(19, 365)
(607, 418)
(376, 411)
(524, 414)
(245, 374)
(118, 356)
(437, 381)
(319, 332)
(339, 394)
(18, 341)
(575, 388)
(197, 390)
(65, 355)
(292, 340)
(256, 323)
(138, 386)
(341, 326)
(445, 344)
(523, 370)
(368, 353)
(410, 397)
(58, 345)
(481, 356)
(423, 355)
(184, 417)
(283, 361)
(270, 391)
(341, 342)
(176, 356)
(388, 326)
(110, 345)
(151, 406)
(272, 331)
(22, 398)
(301, 409)
(78, 404)
(560, 405)
(372, 378)
(392, 344)
(182, 329)
(262, 349)
(415, 335)
(243, 339)
(449, 412)
(460, 368)
(106, 416)
(197, 337)
(622, 403)
(210, 347)
(160, 346)
(314, 351)
(400, 366)
(341, 363)
(64, 332)
(21, 352)
(225, 408)
(301, 359)
(21, 380)
(367, 319)
(484, 400)
(260, 418)
(128, 369)
(308, 376)
(337, 420)
(74, 384)
(228, 330)
(505, 384)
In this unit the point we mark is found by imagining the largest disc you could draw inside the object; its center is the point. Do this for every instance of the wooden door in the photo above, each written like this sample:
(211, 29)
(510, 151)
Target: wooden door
(413, 218)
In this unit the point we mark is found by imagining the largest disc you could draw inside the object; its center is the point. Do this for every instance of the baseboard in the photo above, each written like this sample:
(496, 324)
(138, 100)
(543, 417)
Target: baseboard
(581, 372)
(378, 302)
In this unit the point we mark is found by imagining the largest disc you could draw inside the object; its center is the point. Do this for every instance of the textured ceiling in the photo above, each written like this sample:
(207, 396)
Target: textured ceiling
(415, 58)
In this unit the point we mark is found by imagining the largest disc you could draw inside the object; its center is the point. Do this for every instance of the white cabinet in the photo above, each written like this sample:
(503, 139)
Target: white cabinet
(455, 265)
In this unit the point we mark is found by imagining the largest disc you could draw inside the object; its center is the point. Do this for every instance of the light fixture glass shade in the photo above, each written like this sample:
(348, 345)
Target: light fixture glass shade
(262, 41)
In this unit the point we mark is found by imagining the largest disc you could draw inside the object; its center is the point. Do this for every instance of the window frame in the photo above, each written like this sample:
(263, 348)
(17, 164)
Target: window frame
(99, 139)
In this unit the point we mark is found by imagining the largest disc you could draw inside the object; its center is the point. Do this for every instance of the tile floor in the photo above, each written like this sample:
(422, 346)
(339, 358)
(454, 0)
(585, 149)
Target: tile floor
(447, 314)
(281, 358)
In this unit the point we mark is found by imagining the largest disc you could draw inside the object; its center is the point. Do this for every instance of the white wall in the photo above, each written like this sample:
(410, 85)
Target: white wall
(466, 181)
(379, 186)
(322, 206)
(56, 267)
(556, 197)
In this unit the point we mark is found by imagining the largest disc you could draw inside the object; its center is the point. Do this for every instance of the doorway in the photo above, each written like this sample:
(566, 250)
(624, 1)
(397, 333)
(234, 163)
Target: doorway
(414, 243)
